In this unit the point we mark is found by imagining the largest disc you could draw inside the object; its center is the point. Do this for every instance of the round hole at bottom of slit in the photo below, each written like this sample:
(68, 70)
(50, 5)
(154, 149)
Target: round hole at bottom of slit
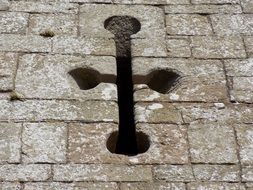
(143, 142)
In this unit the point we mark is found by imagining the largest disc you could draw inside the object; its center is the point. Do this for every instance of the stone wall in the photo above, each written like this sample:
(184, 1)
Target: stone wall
(54, 135)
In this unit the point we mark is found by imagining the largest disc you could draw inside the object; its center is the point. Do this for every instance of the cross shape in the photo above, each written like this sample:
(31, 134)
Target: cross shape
(159, 80)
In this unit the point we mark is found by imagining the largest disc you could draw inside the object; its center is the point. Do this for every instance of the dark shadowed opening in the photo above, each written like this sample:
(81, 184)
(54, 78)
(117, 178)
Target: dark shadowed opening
(123, 27)
(85, 78)
(143, 142)
(162, 81)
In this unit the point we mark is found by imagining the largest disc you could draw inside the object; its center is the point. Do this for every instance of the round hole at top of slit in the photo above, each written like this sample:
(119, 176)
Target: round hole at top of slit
(85, 78)
(163, 81)
(122, 25)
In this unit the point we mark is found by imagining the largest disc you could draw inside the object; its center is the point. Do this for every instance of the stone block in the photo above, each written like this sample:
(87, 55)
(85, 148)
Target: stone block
(88, 144)
(247, 173)
(13, 22)
(152, 186)
(203, 9)
(99, 172)
(218, 47)
(10, 186)
(53, 81)
(212, 143)
(175, 2)
(60, 110)
(242, 89)
(216, 112)
(173, 173)
(84, 46)
(44, 142)
(232, 24)
(10, 142)
(70, 186)
(178, 48)
(92, 17)
(249, 45)
(43, 7)
(157, 113)
(239, 68)
(58, 24)
(24, 43)
(241, 77)
(215, 186)
(154, 2)
(218, 173)
(91, 1)
(215, 1)
(247, 6)
(8, 66)
(4, 5)
(142, 48)
(245, 141)
(183, 24)
(31, 172)
(199, 80)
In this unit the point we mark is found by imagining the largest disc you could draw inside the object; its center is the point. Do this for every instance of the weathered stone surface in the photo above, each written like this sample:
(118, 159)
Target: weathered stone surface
(157, 113)
(173, 173)
(87, 144)
(232, 24)
(4, 5)
(241, 76)
(43, 7)
(183, 24)
(8, 65)
(52, 79)
(24, 43)
(218, 47)
(247, 173)
(217, 112)
(92, 19)
(84, 46)
(91, 1)
(201, 80)
(70, 186)
(10, 186)
(215, 1)
(249, 186)
(247, 6)
(212, 143)
(178, 48)
(142, 48)
(12, 22)
(154, 2)
(245, 141)
(152, 186)
(239, 68)
(98, 172)
(215, 186)
(22, 172)
(249, 45)
(203, 9)
(230, 173)
(59, 24)
(10, 142)
(44, 142)
(32, 110)
(242, 90)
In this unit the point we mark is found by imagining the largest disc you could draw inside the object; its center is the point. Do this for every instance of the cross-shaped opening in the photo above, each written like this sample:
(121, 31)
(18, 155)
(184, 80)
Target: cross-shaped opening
(126, 140)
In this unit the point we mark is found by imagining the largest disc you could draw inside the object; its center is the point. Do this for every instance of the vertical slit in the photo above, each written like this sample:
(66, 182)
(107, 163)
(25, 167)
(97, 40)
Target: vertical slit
(123, 27)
